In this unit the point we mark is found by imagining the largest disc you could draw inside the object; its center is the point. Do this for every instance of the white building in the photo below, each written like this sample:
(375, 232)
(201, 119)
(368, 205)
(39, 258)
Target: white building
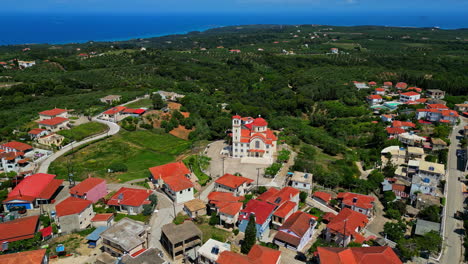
(209, 252)
(409, 96)
(302, 180)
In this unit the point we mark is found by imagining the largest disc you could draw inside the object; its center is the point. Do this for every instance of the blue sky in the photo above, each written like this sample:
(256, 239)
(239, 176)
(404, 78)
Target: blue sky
(216, 6)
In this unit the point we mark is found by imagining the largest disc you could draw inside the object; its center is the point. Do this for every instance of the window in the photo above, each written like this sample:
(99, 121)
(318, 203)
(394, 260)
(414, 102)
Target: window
(257, 144)
(180, 192)
(305, 185)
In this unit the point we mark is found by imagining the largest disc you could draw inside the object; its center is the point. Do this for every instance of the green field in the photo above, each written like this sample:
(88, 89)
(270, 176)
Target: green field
(140, 103)
(83, 131)
(138, 150)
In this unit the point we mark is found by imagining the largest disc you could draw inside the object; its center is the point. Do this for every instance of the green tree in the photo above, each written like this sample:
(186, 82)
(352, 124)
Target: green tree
(303, 196)
(250, 235)
(214, 219)
(147, 209)
(157, 101)
(394, 231)
(154, 199)
(430, 213)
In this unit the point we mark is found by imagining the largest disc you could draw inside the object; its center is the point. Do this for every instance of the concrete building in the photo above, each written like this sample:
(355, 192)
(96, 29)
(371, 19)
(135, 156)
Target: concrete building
(51, 140)
(302, 181)
(195, 208)
(53, 113)
(106, 220)
(210, 251)
(438, 144)
(180, 240)
(54, 124)
(74, 214)
(296, 232)
(262, 212)
(237, 185)
(374, 99)
(130, 200)
(146, 256)
(435, 93)
(91, 189)
(175, 179)
(110, 99)
(423, 227)
(125, 237)
(227, 206)
(409, 96)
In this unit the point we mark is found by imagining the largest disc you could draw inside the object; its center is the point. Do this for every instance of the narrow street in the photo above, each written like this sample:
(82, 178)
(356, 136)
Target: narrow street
(453, 238)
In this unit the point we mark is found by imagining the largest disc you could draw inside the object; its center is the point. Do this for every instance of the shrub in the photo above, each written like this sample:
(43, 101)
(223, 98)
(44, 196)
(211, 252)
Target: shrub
(147, 209)
(214, 219)
(118, 167)
(235, 232)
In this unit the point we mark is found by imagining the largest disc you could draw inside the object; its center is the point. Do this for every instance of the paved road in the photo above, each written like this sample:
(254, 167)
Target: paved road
(113, 129)
(452, 250)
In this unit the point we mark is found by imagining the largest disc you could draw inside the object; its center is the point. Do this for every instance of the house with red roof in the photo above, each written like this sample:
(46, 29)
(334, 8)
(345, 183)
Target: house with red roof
(15, 146)
(379, 91)
(345, 227)
(441, 115)
(74, 214)
(91, 189)
(227, 206)
(252, 140)
(106, 219)
(363, 204)
(322, 197)
(19, 229)
(130, 200)
(175, 179)
(416, 89)
(409, 96)
(257, 255)
(387, 117)
(56, 112)
(282, 213)
(393, 132)
(403, 124)
(401, 85)
(372, 83)
(134, 112)
(36, 189)
(114, 114)
(374, 99)
(237, 185)
(357, 255)
(36, 133)
(54, 124)
(12, 161)
(285, 201)
(388, 84)
(297, 231)
(38, 256)
(262, 212)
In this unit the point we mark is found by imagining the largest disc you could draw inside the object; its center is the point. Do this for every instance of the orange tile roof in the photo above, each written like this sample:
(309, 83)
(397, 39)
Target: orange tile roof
(436, 106)
(402, 85)
(285, 209)
(18, 146)
(257, 255)
(268, 194)
(101, 217)
(218, 197)
(49, 191)
(359, 200)
(347, 221)
(230, 208)
(19, 229)
(232, 181)
(394, 130)
(26, 257)
(169, 170)
(85, 186)
(297, 224)
(53, 121)
(71, 205)
(34, 186)
(374, 97)
(323, 195)
(410, 93)
(388, 83)
(178, 183)
(358, 255)
(114, 110)
(53, 112)
(262, 211)
(36, 131)
(283, 195)
(129, 196)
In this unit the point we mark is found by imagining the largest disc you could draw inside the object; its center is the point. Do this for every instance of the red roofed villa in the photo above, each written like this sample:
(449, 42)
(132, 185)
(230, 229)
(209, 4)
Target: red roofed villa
(357, 202)
(262, 212)
(175, 180)
(374, 99)
(227, 205)
(345, 227)
(56, 112)
(103, 220)
(409, 96)
(54, 124)
(74, 214)
(234, 184)
(357, 255)
(38, 256)
(19, 229)
(130, 200)
(15, 146)
(297, 231)
(91, 189)
(257, 255)
(322, 197)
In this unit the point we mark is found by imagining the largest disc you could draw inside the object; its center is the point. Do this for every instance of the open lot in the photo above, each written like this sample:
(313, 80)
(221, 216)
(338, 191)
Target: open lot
(83, 131)
(140, 103)
(138, 150)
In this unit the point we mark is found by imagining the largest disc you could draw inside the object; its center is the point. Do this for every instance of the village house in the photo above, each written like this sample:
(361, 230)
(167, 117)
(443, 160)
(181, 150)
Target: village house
(435, 93)
(227, 206)
(357, 202)
(360, 85)
(114, 114)
(387, 118)
(401, 85)
(12, 161)
(195, 208)
(15, 146)
(170, 96)
(414, 153)
(26, 64)
(51, 140)
(438, 115)
(438, 144)
(210, 251)
(54, 124)
(36, 133)
(403, 125)
(431, 169)
(134, 112)
(144, 256)
(379, 91)
(393, 132)
(38, 256)
(111, 99)
(285, 201)
(74, 214)
(251, 138)
(345, 227)
(372, 83)
(424, 184)
(53, 113)
(302, 181)
(127, 236)
(388, 84)
(381, 255)
(174, 180)
(18, 229)
(422, 201)
(237, 185)
(36, 189)
(374, 99)
(282, 213)
(257, 255)
(409, 96)
(423, 227)
(396, 155)
(411, 139)
(322, 197)
(91, 189)
(461, 107)
(400, 190)
(106, 220)
(296, 232)
(130, 200)
(178, 240)
(262, 212)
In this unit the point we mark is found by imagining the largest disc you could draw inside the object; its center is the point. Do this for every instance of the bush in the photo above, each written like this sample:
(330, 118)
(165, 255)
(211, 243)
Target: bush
(147, 209)
(118, 167)
(214, 219)
(235, 232)
(146, 126)
(303, 197)
(261, 189)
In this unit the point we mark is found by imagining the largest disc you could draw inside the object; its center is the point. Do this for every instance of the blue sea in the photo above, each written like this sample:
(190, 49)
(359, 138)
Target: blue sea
(22, 28)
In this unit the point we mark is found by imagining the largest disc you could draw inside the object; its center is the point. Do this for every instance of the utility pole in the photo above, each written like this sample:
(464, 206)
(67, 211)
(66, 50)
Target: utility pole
(258, 175)
(223, 158)
(344, 233)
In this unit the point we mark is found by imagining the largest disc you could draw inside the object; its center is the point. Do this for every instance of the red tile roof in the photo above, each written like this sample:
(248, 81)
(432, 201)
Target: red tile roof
(421, 100)
(72, 205)
(415, 89)
(388, 83)
(228, 257)
(372, 83)
(359, 200)
(298, 224)
(262, 211)
(268, 194)
(230, 208)
(380, 89)
(18, 146)
(236, 117)
(259, 122)
(26, 257)
(34, 186)
(178, 183)
(394, 130)
(401, 85)
(257, 255)
(358, 255)
(279, 197)
(410, 94)
(36, 131)
(101, 217)
(114, 110)
(232, 181)
(285, 209)
(169, 170)
(53, 121)
(53, 112)
(50, 189)
(129, 196)
(223, 197)
(347, 221)
(397, 123)
(85, 186)
(19, 229)
(374, 97)
(11, 155)
(323, 195)
(436, 106)
(46, 231)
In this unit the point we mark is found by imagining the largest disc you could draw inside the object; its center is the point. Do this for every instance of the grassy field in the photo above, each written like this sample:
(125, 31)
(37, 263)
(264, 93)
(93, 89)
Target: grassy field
(140, 103)
(213, 232)
(192, 162)
(138, 150)
(84, 130)
(138, 217)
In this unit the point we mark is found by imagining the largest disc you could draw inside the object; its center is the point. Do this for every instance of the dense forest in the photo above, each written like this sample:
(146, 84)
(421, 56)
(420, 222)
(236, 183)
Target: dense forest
(286, 74)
